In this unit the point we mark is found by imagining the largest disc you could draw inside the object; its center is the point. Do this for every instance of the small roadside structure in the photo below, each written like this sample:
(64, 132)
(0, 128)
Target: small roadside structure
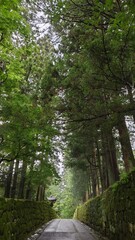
(52, 200)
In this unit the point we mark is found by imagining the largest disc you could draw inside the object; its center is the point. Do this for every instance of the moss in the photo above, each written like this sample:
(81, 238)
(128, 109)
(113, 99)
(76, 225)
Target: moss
(113, 213)
(19, 217)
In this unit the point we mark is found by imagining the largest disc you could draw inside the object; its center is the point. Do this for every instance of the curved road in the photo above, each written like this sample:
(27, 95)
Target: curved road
(67, 229)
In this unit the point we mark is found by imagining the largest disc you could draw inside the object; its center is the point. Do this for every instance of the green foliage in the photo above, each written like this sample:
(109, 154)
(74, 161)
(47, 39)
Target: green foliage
(68, 194)
(27, 96)
(13, 32)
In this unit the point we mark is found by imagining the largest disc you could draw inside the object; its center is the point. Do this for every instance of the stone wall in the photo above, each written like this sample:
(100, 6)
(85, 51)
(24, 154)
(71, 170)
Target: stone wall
(112, 213)
(18, 218)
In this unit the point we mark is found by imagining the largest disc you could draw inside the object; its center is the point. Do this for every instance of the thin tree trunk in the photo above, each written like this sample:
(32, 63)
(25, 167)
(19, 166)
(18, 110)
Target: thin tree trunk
(28, 190)
(9, 180)
(29, 186)
(89, 182)
(40, 193)
(94, 183)
(14, 186)
(94, 172)
(105, 181)
(112, 157)
(43, 193)
(109, 156)
(22, 181)
(100, 167)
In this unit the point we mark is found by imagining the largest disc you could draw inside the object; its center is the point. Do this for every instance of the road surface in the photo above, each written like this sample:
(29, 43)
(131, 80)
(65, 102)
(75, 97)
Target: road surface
(67, 229)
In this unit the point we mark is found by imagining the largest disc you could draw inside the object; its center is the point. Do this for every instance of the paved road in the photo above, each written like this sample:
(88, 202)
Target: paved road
(67, 229)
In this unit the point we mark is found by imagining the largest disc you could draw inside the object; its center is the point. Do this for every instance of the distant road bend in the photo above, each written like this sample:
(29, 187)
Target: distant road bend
(67, 229)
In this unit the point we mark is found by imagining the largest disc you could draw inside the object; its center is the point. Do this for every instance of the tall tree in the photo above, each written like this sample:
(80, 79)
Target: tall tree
(96, 71)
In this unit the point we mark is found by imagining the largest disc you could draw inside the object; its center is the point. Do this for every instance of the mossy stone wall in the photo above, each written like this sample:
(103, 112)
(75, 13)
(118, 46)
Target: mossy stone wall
(112, 213)
(18, 218)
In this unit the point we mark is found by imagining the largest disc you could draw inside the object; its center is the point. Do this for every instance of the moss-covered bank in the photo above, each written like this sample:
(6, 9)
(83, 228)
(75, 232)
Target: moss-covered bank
(112, 213)
(18, 217)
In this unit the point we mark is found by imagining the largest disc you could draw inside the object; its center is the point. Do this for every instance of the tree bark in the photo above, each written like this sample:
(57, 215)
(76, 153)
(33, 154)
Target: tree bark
(40, 193)
(126, 148)
(28, 190)
(9, 180)
(14, 186)
(22, 181)
(29, 186)
(99, 159)
(109, 157)
(94, 173)
(89, 181)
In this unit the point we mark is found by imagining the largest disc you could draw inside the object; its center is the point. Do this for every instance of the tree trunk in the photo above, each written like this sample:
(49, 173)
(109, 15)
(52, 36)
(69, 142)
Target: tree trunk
(109, 157)
(22, 181)
(89, 182)
(14, 186)
(40, 193)
(112, 157)
(94, 173)
(126, 148)
(28, 190)
(9, 180)
(94, 182)
(105, 181)
(100, 168)
(29, 186)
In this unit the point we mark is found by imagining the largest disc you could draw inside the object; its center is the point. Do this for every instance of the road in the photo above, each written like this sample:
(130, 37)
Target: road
(67, 229)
